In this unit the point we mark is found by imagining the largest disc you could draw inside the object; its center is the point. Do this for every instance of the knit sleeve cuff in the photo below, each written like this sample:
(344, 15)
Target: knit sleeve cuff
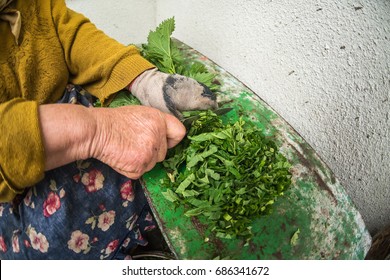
(22, 156)
(124, 71)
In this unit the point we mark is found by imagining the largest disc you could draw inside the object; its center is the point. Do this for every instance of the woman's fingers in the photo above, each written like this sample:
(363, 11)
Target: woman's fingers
(175, 130)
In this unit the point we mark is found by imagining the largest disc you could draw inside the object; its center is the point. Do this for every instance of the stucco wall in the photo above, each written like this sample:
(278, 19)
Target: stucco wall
(127, 21)
(322, 65)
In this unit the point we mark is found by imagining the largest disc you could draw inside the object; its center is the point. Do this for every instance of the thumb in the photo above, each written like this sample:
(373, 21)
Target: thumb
(175, 130)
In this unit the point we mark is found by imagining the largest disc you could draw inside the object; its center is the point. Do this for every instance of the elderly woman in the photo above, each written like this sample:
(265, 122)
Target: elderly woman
(67, 172)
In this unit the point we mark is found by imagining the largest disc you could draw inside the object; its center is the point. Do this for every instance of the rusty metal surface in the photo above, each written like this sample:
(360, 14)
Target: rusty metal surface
(329, 225)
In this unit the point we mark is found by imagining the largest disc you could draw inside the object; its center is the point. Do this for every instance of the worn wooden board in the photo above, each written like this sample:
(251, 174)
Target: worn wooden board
(330, 226)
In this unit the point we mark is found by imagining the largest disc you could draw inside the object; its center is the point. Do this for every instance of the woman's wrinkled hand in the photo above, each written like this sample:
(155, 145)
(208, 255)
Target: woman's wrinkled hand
(132, 139)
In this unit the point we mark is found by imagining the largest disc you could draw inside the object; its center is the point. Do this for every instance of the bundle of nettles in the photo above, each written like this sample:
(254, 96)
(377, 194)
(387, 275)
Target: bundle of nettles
(163, 52)
(228, 173)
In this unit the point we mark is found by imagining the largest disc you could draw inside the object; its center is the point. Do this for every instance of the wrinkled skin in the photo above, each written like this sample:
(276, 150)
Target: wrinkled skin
(132, 139)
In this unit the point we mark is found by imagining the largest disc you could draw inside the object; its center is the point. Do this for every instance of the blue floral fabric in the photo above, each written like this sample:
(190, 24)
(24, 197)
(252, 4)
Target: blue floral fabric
(84, 210)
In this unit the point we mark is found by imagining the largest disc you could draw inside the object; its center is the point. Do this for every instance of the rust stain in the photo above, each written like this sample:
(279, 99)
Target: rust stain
(330, 174)
(252, 248)
(256, 249)
(278, 255)
(321, 183)
(217, 244)
(201, 228)
(347, 244)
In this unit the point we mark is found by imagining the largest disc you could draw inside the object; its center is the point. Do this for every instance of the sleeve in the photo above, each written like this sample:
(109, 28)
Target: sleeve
(22, 156)
(101, 64)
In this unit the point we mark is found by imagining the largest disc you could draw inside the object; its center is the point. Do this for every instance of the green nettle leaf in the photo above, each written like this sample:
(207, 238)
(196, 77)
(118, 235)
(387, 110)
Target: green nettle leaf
(170, 195)
(213, 174)
(189, 193)
(183, 185)
(159, 49)
(162, 51)
(123, 98)
(198, 158)
(227, 217)
(294, 238)
(201, 137)
(194, 212)
(241, 191)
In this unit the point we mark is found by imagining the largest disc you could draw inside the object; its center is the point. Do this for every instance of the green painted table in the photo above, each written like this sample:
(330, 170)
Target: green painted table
(329, 225)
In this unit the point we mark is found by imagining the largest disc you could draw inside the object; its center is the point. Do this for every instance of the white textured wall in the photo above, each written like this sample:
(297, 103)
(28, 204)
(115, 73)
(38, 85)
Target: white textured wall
(322, 65)
(127, 21)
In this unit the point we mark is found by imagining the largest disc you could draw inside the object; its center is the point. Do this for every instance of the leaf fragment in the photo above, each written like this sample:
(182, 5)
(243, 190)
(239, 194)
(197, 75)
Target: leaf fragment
(170, 195)
(294, 237)
(183, 185)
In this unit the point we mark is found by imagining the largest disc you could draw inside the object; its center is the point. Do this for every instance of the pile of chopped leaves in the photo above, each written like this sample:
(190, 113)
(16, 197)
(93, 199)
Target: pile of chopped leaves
(229, 173)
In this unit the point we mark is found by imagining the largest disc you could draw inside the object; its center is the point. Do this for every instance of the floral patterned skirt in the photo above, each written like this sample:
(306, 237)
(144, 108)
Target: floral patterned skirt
(84, 210)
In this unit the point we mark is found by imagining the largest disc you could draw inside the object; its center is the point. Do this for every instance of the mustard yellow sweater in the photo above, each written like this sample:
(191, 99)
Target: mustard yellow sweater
(56, 46)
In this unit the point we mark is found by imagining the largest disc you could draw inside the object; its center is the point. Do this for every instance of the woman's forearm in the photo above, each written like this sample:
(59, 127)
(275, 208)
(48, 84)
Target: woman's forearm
(67, 131)
(130, 139)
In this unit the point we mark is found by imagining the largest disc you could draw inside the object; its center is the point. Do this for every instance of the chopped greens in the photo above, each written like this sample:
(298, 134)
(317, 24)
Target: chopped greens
(228, 173)
(294, 238)
(122, 98)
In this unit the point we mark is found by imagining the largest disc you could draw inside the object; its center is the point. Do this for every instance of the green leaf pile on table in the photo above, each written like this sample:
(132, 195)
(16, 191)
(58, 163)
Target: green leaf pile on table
(229, 173)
